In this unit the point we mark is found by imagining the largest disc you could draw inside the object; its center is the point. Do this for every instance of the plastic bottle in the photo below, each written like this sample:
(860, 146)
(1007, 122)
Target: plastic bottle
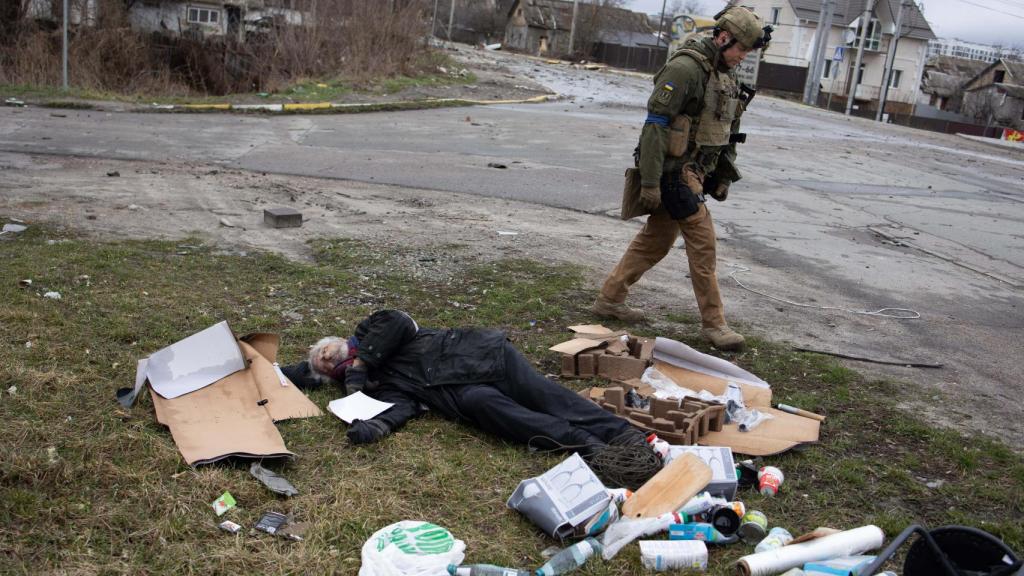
(485, 570)
(701, 503)
(570, 558)
(660, 447)
(777, 538)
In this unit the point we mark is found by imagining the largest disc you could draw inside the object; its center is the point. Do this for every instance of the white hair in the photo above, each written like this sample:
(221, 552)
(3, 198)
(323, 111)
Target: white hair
(314, 350)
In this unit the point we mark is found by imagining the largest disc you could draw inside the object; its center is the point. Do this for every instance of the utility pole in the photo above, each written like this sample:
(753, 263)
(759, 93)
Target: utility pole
(890, 59)
(865, 21)
(572, 27)
(433, 20)
(661, 23)
(813, 66)
(819, 64)
(64, 50)
(451, 18)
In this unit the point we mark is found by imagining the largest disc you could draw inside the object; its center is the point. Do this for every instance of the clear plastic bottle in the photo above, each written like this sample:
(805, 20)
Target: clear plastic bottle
(571, 558)
(485, 570)
(777, 538)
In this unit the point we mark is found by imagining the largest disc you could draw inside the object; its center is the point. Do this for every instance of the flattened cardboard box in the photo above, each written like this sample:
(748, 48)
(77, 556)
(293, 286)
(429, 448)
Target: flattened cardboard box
(598, 351)
(235, 415)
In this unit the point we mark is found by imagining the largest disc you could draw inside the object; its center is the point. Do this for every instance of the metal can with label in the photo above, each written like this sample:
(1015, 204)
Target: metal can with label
(753, 527)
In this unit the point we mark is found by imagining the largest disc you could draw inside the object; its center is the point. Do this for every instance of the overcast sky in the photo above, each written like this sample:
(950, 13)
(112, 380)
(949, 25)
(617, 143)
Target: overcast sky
(985, 21)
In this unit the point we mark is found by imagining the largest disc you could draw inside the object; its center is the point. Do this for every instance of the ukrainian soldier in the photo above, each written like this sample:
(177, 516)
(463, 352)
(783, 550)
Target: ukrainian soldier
(688, 150)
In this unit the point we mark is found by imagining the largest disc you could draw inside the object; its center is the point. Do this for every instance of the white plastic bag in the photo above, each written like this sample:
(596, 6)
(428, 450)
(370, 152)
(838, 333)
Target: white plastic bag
(664, 387)
(628, 529)
(411, 548)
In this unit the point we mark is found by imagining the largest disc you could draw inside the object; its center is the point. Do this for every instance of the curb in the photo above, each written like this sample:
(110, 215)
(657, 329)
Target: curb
(329, 107)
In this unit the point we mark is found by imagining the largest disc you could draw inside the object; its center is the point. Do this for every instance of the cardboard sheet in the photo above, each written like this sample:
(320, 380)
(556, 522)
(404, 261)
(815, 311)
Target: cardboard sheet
(576, 345)
(221, 420)
(235, 415)
(681, 355)
(784, 432)
(195, 362)
(590, 329)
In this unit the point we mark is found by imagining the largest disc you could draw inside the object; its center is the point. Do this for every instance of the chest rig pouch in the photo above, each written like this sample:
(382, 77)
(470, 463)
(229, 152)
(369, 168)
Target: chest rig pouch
(721, 108)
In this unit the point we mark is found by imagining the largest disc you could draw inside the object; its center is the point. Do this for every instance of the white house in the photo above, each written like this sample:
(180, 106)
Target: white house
(796, 27)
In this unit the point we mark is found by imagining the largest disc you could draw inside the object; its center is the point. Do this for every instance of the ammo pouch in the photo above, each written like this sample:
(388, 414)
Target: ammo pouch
(678, 136)
(677, 198)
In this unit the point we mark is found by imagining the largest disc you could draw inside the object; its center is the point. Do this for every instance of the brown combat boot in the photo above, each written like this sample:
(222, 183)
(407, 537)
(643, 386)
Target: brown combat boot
(618, 310)
(723, 338)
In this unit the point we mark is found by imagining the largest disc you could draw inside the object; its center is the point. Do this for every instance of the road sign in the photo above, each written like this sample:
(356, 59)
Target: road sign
(838, 55)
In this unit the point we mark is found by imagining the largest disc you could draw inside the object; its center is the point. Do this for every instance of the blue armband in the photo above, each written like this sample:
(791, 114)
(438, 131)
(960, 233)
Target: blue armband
(657, 119)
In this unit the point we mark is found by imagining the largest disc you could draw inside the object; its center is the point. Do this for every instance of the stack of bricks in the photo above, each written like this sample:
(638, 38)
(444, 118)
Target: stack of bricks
(680, 422)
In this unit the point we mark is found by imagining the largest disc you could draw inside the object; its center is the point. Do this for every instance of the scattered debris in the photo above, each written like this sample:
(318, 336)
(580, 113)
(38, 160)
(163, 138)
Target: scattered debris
(272, 480)
(223, 504)
(12, 390)
(52, 295)
(28, 344)
(271, 522)
(411, 547)
(14, 102)
(226, 223)
(56, 115)
(14, 228)
(229, 526)
(497, 165)
(25, 283)
(51, 455)
(507, 233)
(492, 47)
(114, 174)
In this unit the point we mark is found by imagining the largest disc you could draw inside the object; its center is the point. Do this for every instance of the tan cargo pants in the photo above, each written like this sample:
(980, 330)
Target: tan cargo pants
(654, 241)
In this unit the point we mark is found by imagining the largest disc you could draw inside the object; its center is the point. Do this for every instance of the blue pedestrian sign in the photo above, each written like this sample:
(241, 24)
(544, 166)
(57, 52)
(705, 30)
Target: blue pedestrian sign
(838, 56)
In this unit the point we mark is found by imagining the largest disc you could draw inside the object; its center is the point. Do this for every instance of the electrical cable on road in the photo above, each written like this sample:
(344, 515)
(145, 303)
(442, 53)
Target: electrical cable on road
(894, 313)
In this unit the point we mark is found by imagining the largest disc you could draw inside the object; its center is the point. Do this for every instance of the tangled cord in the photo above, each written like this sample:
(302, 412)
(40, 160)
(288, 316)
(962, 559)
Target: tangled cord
(624, 462)
(894, 313)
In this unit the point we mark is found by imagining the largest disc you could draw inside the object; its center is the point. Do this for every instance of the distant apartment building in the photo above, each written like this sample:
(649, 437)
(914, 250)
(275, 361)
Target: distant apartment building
(967, 50)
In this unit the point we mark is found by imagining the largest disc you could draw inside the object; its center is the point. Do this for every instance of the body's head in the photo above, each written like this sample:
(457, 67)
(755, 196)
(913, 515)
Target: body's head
(738, 31)
(330, 356)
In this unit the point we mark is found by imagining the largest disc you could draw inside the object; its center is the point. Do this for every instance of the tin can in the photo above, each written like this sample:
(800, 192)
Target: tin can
(769, 478)
(753, 527)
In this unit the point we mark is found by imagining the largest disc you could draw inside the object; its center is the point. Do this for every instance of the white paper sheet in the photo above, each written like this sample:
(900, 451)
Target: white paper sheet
(195, 362)
(679, 354)
(357, 406)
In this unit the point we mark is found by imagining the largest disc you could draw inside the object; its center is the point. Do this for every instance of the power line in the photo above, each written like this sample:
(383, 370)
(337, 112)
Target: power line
(993, 9)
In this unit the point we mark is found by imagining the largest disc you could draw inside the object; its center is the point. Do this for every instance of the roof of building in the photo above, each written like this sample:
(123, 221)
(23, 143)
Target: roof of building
(846, 11)
(557, 15)
(1013, 90)
(956, 66)
(1014, 68)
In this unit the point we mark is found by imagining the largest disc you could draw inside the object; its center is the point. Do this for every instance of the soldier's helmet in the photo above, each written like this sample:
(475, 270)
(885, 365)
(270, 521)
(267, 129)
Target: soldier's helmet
(745, 26)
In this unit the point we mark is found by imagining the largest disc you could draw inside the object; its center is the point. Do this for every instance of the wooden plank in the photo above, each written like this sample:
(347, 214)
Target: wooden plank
(783, 432)
(669, 489)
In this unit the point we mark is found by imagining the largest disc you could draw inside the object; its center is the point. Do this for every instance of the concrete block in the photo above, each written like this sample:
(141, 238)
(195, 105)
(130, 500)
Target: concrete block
(282, 217)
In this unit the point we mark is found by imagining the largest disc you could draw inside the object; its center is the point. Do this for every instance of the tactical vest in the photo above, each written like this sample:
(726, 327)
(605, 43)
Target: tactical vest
(710, 131)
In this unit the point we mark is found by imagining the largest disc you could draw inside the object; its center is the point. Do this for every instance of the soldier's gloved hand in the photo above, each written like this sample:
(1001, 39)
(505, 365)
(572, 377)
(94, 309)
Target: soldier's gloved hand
(719, 190)
(650, 196)
(355, 379)
(367, 431)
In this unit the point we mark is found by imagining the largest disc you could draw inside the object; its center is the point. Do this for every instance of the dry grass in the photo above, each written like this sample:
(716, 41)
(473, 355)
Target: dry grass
(354, 39)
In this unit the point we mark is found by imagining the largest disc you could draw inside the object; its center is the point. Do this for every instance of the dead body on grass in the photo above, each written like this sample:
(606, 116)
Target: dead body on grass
(469, 375)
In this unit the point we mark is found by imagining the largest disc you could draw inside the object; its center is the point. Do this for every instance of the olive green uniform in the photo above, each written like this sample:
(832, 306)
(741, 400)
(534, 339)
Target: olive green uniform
(690, 84)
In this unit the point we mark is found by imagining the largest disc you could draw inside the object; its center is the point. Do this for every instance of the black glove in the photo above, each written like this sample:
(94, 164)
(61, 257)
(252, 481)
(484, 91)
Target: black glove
(717, 189)
(676, 196)
(367, 431)
(355, 379)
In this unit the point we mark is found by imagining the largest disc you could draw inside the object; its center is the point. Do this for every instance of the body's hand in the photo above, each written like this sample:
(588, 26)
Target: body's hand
(650, 197)
(716, 189)
(367, 431)
(355, 378)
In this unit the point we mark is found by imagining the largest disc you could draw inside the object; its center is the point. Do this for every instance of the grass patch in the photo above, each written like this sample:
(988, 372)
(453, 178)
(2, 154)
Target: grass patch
(85, 487)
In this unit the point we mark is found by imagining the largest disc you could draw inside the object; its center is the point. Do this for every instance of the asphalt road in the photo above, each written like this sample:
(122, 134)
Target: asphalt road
(834, 212)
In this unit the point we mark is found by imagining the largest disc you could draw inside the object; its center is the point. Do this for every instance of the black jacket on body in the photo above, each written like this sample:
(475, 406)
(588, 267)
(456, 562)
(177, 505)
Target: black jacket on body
(397, 351)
